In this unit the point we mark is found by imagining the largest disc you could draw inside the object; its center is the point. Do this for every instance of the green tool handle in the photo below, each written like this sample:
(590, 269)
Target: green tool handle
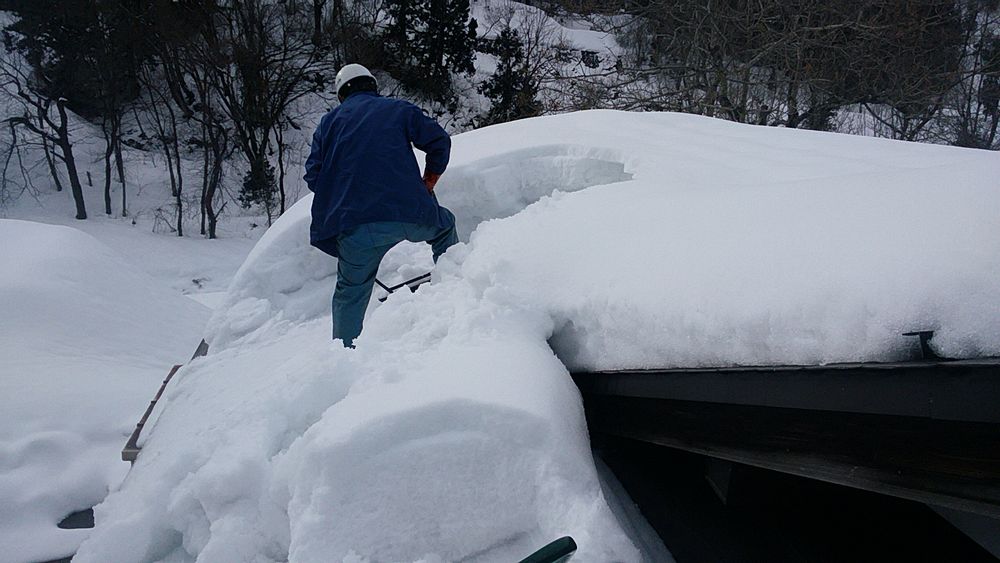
(558, 551)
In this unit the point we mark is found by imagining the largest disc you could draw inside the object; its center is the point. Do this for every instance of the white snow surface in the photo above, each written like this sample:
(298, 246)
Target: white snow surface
(594, 240)
(85, 340)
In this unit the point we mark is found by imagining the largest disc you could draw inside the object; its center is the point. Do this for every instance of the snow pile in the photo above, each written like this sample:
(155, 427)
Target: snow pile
(85, 341)
(453, 432)
(442, 444)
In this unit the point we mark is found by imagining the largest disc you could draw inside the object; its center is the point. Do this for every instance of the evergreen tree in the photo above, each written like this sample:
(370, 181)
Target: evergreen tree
(399, 29)
(429, 40)
(87, 51)
(55, 38)
(512, 88)
(458, 37)
(259, 187)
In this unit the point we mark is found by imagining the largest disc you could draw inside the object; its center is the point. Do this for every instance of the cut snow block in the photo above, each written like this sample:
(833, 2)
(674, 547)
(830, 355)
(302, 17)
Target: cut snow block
(502, 185)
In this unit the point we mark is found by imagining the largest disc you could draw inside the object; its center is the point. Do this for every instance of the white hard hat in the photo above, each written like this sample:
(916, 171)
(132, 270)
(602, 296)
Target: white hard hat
(350, 72)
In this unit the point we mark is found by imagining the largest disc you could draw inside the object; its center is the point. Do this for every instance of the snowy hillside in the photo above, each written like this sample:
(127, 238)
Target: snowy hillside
(594, 240)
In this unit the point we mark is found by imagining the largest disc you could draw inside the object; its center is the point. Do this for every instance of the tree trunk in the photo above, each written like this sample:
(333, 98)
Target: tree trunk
(177, 169)
(51, 164)
(120, 164)
(67, 149)
(991, 138)
(173, 183)
(281, 171)
(213, 215)
(74, 180)
(793, 105)
(180, 207)
(208, 194)
(204, 176)
(48, 153)
(108, 150)
(204, 194)
(744, 108)
(317, 37)
(215, 178)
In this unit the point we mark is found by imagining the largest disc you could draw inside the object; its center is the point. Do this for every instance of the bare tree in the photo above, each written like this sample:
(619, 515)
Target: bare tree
(162, 115)
(14, 163)
(263, 64)
(795, 63)
(972, 112)
(192, 88)
(44, 117)
(181, 98)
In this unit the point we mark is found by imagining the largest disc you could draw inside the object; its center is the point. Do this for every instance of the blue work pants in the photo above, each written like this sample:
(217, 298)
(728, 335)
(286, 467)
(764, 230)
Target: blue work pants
(360, 250)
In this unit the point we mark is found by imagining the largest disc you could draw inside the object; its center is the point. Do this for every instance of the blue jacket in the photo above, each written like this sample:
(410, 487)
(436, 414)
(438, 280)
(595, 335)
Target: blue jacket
(362, 168)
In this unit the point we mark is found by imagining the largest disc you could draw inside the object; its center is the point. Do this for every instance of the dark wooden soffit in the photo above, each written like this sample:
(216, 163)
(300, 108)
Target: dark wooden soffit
(944, 463)
(927, 431)
(962, 390)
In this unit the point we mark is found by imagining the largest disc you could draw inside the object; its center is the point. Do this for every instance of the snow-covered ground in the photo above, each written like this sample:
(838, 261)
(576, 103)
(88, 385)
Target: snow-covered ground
(593, 240)
(85, 340)
(94, 314)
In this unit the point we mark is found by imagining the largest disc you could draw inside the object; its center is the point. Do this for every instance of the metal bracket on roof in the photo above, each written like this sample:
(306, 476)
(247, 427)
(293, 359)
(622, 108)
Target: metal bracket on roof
(925, 344)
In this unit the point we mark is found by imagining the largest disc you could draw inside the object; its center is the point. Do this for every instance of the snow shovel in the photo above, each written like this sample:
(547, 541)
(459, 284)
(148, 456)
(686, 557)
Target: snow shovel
(558, 551)
(412, 284)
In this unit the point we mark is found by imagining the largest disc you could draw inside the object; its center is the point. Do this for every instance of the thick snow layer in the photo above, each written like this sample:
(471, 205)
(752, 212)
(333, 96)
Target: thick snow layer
(598, 240)
(736, 244)
(85, 341)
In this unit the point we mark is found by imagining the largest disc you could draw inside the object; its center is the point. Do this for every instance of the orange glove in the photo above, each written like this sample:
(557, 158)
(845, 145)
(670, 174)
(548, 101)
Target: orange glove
(431, 180)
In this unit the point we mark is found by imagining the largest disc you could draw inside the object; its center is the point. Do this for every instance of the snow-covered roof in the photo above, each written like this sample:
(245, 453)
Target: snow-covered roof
(592, 240)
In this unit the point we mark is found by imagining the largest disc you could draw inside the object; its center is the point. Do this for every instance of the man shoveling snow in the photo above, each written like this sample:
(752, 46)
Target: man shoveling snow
(369, 194)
